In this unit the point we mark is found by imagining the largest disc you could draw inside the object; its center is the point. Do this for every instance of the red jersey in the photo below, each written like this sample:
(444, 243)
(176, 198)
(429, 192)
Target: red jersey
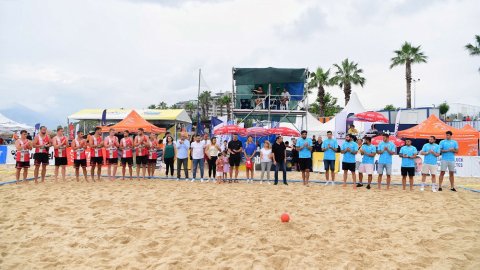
(80, 152)
(127, 145)
(23, 155)
(111, 147)
(96, 151)
(42, 142)
(141, 150)
(61, 151)
(152, 151)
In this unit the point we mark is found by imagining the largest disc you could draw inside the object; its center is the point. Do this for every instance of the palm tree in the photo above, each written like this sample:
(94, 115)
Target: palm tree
(220, 104)
(348, 74)
(474, 50)
(227, 101)
(152, 106)
(204, 99)
(190, 107)
(162, 106)
(319, 79)
(407, 56)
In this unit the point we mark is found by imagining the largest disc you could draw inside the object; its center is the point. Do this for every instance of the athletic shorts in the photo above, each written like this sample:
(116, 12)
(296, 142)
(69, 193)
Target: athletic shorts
(329, 165)
(444, 165)
(152, 161)
(96, 160)
(429, 169)
(365, 168)
(112, 161)
(346, 166)
(410, 171)
(234, 160)
(305, 164)
(128, 160)
(40, 158)
(79, 162)
(387, 167)
(61, 161)
(141, 160)
(22, 164)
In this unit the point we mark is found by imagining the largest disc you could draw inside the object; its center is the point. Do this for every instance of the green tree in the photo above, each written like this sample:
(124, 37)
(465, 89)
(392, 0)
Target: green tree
(408, 55)
(226, 100)
(331, 107)
(346, 75)
(474, 49)
(443, 108)
(152, 106)
(162, 106)
(174, 107)
(190, 107)
(318, 80)
(205, 100)
(390, 107)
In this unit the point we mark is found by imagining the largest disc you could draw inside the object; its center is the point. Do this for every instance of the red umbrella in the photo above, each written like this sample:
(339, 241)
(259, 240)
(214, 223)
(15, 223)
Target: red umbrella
(257, 132)
(284, 131)
(371, 117)
(378, 139)
(228, 130)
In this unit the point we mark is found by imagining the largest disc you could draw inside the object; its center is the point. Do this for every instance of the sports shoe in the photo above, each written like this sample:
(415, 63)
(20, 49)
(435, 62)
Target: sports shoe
(440, 189)
(422, 188)
(333, 183)
(193, 180)
(201, 180)
(368, 186)
(359, 185)
(326, 183)
(453, 189)
(261, 181)
(434, 189)
(178, 179)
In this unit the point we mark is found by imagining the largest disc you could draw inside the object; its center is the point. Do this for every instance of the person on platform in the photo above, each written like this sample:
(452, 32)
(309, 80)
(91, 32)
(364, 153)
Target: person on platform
(96, 153)
(183, 145)
(408, 153)
(386, 149)
(22, 156)
(126, 145)
(368, 152)
(304, 147)
(41, 143)
(235, 150)
(431, 152)
(249, 152)
(169, 155)
(198, 157)
(141, 152)
(329, 147)
(111, 150)
(152, 155)
(60, 144)
(448, 149)
(285, 98)
(79, 146)
(211, 150)
(279, 156)
(349, 149)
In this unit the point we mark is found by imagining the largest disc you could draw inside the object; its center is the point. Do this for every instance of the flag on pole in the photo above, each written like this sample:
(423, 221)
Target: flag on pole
(200, 128)
(37, 128)
(104, 118)
(397, 122)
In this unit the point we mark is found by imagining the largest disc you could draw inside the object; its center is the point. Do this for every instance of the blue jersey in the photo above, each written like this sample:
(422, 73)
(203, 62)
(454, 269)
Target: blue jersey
(430, 158)
(250, 148)
(368, 149)
(445, 145)
(410, 151)
(348, 157)
(329, 153)
(304, 153)
(385, 157)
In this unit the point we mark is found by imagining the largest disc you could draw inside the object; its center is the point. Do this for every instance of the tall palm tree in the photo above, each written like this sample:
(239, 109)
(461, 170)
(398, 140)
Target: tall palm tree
(348, 74)
(408, 55)
(474, 49)
(227, 101)
(205, 99)
(319, 79)
(219, 102)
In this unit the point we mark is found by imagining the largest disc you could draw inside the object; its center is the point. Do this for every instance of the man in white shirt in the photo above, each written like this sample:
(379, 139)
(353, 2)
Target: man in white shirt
(198, 154)
(285, 99)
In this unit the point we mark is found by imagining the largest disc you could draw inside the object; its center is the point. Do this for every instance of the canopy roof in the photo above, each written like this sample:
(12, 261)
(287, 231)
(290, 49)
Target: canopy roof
(132, 122)
(433, 126)
(8, 125)
(247, 76)
(171, 115)
(467, 127)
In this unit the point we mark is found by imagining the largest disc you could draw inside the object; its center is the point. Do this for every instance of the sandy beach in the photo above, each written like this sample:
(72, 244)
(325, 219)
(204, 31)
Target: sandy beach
(154, 224)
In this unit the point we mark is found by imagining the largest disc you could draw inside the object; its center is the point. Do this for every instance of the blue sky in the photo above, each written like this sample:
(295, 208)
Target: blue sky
(60, 56)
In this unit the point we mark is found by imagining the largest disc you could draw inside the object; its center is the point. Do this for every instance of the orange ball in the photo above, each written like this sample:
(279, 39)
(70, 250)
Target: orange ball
(285, 217)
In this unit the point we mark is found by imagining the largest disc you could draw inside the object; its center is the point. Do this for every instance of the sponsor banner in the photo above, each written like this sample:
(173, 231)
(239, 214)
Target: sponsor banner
(3, 154)
(318, 165)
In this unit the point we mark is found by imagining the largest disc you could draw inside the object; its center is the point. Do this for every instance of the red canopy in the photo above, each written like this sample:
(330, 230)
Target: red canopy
(371, 117)
(228, 130)
(378, 139)
(132, 122)
(257, 132)
(284, 131)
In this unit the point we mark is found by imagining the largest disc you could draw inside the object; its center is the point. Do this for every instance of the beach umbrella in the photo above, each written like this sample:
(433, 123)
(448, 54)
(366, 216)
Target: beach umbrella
(229, 130)
(257, 132)
(370, 117)
(284, 131)
(378, 139)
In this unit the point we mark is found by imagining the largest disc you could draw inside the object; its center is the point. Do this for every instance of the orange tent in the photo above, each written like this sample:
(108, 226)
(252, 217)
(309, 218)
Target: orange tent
(467, 127)
(467, 139)
(132, 122)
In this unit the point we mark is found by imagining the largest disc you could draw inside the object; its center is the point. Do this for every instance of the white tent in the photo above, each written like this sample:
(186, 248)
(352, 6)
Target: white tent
(8, 125)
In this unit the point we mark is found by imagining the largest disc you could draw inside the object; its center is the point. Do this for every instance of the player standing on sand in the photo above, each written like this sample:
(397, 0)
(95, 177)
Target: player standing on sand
(368, 152)
(431, 151)
(60, 144)
(96, 156)
(408, 153)
(141, 153)
(111, 147)
(41, 143)
(153, 155)
(448, 148)
(22, 157)
(329, 147)
(79, 157)
(349, 149)
(385, 149)
(126, 145)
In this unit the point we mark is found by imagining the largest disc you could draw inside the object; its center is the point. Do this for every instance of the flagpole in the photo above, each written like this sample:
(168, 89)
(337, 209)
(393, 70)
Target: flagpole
(198, 101)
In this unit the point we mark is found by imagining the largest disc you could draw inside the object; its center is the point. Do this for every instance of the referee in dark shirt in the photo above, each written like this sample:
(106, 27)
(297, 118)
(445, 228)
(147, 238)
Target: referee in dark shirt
(235, 149)
(279, 159)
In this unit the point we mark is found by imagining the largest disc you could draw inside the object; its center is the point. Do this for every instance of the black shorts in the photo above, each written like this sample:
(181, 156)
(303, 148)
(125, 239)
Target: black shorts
(61, 161)
(40, 158)
(305, 164)
(141, 160)
(79, 162)
(152, 161)
(22, 164)
(112, 161)
(96, 160)
(329, 165)
(234, 160)
(128, 160)
(410, 171)
(347, 166)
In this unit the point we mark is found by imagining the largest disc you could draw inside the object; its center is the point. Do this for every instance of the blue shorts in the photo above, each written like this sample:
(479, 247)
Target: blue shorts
(329, 165)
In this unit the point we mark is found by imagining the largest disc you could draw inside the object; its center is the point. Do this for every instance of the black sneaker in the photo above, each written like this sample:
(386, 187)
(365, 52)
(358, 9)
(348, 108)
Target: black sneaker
(359, 185)
(440, 189)
(453, 189)
(275, 184)
(368, 186)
